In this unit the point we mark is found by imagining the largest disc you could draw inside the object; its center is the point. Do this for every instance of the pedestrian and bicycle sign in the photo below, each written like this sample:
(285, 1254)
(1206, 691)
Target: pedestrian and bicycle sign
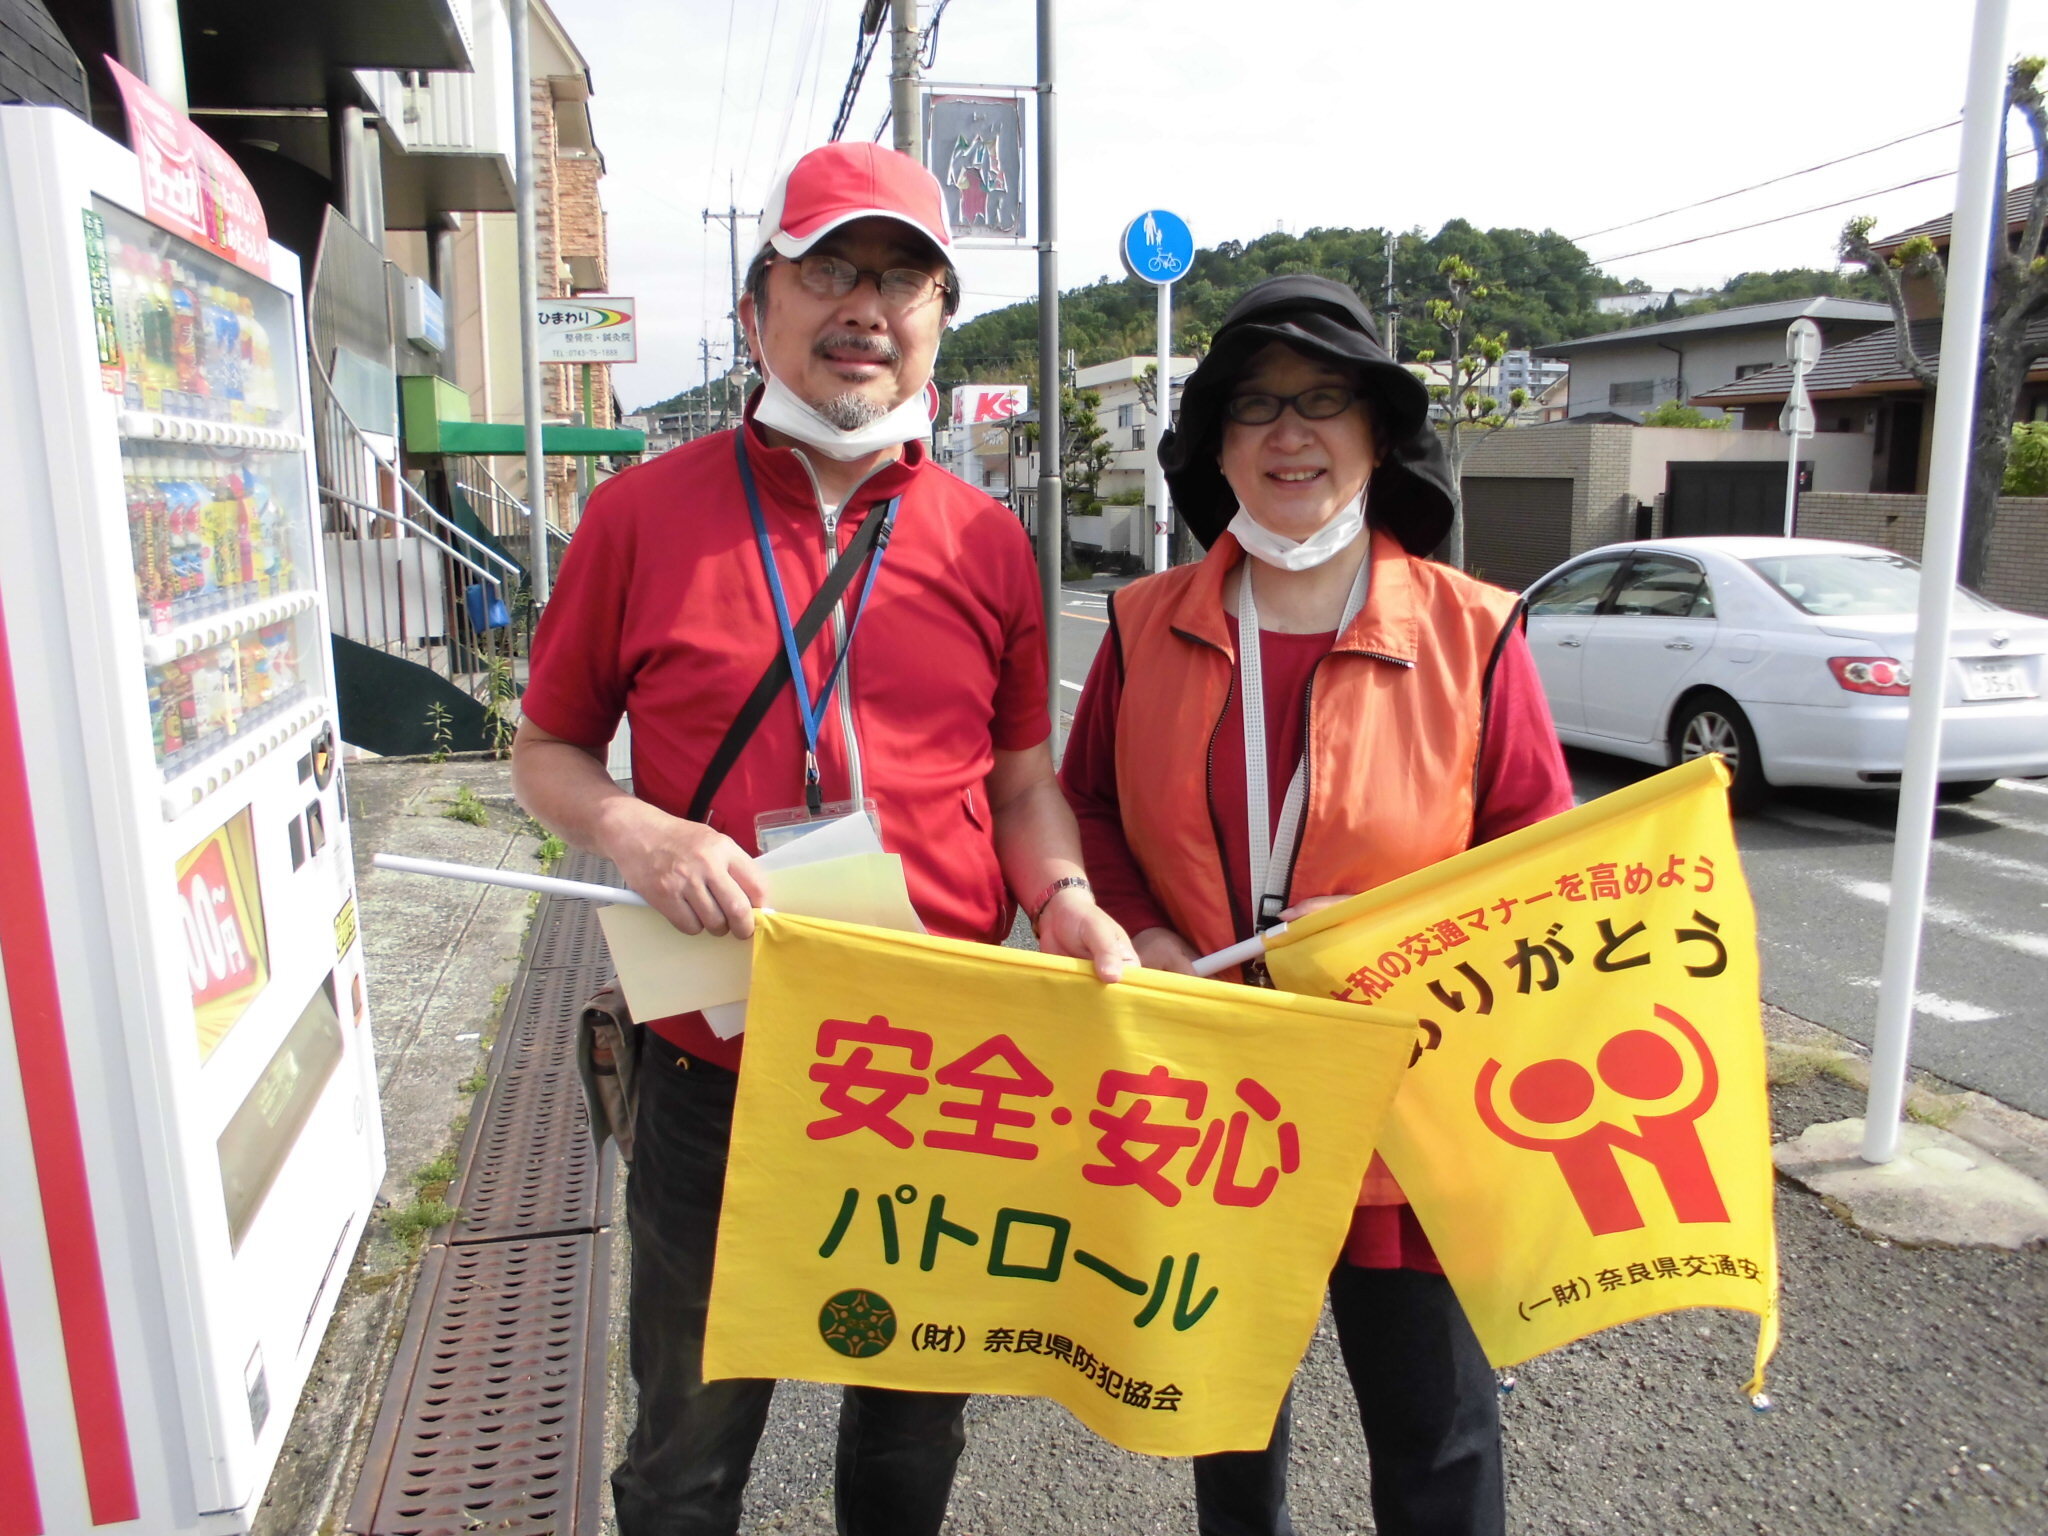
(596, 329)
(1158, 247)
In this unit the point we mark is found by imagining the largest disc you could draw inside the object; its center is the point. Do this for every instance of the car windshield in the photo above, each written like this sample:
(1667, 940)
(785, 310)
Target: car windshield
(1835, 584)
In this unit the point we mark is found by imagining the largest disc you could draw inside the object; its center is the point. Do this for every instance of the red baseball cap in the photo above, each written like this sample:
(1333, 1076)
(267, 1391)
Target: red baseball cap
(838, 183)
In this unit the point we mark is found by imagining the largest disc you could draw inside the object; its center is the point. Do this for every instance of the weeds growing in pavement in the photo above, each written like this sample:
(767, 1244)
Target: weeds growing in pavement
(467, 807)
(439, 723)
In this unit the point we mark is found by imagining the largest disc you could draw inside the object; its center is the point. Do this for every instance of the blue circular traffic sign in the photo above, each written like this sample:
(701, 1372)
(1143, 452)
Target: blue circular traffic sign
(1158, 247)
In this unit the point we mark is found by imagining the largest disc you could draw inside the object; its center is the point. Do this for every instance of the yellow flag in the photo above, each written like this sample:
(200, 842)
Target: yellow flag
(1586, 1137)
(966, 1169)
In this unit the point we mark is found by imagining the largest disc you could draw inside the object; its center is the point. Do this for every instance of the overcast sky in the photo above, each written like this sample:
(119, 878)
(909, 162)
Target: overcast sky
(1290, 114)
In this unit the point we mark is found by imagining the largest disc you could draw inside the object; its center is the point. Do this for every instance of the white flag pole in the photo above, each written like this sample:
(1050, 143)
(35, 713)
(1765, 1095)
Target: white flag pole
(1969, 256)
(479, 874)
(1236, 954)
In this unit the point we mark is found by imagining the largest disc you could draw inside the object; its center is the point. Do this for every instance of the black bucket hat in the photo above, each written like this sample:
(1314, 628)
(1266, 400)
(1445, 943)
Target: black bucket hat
(1409, 494)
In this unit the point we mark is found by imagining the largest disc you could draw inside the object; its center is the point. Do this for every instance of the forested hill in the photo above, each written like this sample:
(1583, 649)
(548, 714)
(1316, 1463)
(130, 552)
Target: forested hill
(1540, 290)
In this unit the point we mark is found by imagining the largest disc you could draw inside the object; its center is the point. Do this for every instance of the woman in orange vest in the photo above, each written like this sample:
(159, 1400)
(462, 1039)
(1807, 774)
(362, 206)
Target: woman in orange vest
(1314, 709)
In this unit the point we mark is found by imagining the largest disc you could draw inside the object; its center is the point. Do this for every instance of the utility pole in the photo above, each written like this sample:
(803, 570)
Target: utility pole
(906, 107)
(539, 573)
(1050, 483)
(704, 395)
(730, 218)
(1388, 309)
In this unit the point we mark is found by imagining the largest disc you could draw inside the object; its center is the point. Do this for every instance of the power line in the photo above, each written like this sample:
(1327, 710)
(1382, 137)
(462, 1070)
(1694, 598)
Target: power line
(1651, 218)
(864, 50)
(760, 92)
(1918, 181)
(718, 124)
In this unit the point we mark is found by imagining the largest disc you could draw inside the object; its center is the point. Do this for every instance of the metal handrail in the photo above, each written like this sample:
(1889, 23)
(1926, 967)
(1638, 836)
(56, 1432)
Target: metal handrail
(503, 497)
(406, 490)
(424, 533)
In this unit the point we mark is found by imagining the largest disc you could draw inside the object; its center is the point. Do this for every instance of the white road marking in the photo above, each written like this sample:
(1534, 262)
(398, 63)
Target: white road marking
(2025, 786)
(1065, 684)
(1942, 915)
(1934, 1006)
(1998, 863)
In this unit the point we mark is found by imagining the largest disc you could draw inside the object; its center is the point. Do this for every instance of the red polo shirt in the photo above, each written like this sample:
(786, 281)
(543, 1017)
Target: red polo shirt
(662, 614)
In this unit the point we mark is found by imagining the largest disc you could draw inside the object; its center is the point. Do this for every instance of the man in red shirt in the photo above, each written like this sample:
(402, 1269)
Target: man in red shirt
(679, 592)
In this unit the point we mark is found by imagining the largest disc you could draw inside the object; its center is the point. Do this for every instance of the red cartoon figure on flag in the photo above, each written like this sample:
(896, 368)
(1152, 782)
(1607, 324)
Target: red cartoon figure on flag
(1556, 1106)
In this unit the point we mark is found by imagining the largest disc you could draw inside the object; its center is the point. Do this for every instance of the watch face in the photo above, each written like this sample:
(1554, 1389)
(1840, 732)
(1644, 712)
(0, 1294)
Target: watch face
(323, 757)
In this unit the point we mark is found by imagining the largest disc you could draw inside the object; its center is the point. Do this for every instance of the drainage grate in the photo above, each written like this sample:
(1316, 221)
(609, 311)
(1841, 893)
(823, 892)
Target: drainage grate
(530, 1168)
(567, 934)
(493, 1416)
(494, 1419)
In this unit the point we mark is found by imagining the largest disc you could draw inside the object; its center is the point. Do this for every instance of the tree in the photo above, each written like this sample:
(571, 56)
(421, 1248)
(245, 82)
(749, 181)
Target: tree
(1672, 414)
(2026, 467)
(1468, 358)
(1084, 456)
(2016, 294)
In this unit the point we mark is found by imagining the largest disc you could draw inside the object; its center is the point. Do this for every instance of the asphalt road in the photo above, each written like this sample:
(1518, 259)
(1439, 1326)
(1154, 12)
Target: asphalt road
(1819, 865)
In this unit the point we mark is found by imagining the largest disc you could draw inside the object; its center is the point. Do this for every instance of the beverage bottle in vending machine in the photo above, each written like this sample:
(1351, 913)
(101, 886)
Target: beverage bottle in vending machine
(159, 351)
(259, 379)
(186, 341)
(224, 349)
(128, 323)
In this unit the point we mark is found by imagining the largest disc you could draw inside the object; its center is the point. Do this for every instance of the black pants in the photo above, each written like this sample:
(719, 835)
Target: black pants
(1427, 1401)
(687, 1460)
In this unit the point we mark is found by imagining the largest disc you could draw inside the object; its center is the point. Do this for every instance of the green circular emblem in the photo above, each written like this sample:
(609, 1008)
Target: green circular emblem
(857, 1323)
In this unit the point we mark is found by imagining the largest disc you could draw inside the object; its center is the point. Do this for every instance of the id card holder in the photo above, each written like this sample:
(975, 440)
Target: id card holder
(774, 828)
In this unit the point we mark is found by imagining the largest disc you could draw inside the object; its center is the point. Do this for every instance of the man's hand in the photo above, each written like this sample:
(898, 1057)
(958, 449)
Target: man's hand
(1072, 924)
(1161, 949)
(700, 880)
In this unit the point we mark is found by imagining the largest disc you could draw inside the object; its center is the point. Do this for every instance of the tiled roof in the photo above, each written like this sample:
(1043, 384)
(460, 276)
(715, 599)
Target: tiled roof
(1937, 230)
(1866, 363)
(1783, 312)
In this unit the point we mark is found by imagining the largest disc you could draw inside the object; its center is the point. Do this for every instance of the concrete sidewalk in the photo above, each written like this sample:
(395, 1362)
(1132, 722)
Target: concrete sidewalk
(1911, 1386)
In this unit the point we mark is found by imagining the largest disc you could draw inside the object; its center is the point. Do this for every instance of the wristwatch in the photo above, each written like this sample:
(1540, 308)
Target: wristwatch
(1064, 883)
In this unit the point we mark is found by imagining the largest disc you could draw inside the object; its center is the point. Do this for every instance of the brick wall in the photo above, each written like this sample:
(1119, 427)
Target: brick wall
(2016, 574)
(1595, 457)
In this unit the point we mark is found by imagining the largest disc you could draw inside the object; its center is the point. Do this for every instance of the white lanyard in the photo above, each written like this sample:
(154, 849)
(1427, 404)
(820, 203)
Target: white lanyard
(1273, 858)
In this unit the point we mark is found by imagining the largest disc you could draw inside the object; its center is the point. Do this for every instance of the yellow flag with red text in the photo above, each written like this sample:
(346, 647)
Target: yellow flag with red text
(1586, 1136)
(957, 1168)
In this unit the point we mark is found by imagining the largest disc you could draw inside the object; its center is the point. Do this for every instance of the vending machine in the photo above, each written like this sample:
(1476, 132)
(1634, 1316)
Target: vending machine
(188, 1102)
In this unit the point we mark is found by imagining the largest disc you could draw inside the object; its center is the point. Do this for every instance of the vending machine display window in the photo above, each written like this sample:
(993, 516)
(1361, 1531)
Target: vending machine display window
(227, 954)
(260, 1134)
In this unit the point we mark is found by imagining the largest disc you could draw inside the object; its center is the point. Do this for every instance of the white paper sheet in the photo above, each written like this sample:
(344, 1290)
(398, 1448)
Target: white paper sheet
(839, 872)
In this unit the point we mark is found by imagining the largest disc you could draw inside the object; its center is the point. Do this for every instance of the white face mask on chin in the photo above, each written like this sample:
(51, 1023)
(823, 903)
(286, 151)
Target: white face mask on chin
(1320, 547)
(788, 412)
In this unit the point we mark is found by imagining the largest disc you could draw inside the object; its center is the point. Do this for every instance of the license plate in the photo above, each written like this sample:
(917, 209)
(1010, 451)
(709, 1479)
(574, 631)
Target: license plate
(1997, 677)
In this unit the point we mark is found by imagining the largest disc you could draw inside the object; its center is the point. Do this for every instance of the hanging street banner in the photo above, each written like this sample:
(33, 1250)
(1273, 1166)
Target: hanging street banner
(592, 329)
(974, 145)
(1585, 1136)
(959, 1168)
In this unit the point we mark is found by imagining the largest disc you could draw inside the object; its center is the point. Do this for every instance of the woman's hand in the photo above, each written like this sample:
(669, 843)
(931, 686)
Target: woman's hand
(1072, 924)
(1161, 949)
(1303, 908)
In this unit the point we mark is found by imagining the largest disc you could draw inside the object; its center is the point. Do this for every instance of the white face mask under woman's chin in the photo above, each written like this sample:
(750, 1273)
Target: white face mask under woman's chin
(1319, 548)
(783, 410)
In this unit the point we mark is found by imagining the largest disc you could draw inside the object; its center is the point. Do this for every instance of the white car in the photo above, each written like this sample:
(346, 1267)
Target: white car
(1793, 658)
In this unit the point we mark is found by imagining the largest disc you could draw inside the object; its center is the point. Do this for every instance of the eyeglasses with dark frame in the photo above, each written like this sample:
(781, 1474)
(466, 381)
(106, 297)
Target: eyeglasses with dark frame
(834, 277)
(1318, 404)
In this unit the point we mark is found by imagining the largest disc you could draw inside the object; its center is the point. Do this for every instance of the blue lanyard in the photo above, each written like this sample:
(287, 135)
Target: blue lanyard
(810, 711)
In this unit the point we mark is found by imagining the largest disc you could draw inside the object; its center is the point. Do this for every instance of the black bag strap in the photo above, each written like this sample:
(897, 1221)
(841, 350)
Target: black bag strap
(777, 676)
